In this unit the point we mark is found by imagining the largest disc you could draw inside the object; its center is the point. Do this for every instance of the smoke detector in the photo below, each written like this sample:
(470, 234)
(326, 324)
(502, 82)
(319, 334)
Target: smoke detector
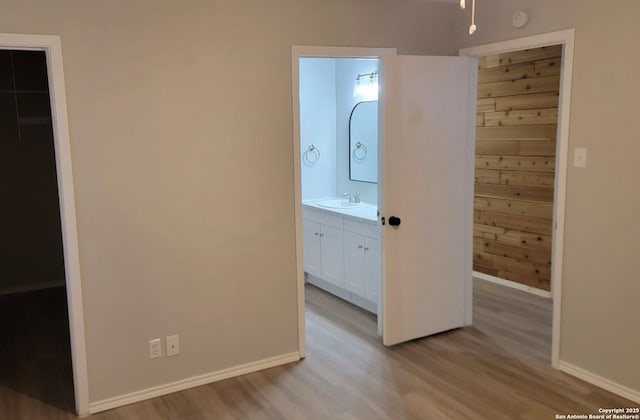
(520, 18)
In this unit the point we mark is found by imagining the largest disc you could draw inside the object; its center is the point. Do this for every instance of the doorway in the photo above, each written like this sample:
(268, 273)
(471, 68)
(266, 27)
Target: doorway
(424, 266)
(517, 117)
(519, 208)
(32, 286)
(38, 106)
(339, 139)
(325, 96)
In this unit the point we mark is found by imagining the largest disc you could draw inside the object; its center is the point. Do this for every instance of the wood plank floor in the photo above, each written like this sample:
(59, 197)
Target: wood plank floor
(35, 356)
(498, 369)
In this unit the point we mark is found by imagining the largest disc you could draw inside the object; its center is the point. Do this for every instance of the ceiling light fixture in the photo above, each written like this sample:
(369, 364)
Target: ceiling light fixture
(473, 26)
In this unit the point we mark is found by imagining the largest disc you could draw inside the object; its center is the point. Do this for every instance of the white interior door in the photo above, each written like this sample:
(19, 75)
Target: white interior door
(427, 120)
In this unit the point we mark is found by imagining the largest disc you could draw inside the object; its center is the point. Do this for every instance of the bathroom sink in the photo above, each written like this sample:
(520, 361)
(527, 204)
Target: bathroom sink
(339, 203)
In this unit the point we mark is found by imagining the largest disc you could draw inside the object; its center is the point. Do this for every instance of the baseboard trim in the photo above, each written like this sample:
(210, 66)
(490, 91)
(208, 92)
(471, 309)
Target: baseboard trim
(192, 382)
(599, 381)
(512, 284)
(343, 294)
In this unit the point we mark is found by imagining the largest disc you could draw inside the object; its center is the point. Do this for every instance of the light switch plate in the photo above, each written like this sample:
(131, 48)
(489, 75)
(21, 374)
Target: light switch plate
(155, 348)
(580, 157)
(173, 345)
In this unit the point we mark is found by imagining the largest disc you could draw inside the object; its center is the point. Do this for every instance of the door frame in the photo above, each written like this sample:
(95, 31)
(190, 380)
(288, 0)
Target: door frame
(297, 52)
(51, 45)
(566, 39)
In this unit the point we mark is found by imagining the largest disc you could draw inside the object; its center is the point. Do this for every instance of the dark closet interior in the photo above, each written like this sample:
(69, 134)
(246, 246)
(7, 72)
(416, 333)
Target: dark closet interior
(35, 353)
(31, 243)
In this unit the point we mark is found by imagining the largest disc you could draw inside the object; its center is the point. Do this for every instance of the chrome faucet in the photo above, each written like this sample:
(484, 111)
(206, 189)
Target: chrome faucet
(353, 198)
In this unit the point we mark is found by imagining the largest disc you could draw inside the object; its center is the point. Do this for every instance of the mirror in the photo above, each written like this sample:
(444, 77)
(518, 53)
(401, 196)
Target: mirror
(363, 142)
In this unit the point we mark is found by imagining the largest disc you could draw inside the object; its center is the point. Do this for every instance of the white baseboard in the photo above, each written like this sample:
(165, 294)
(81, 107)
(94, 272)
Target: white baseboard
(343, 294)
(192, 382)
(592, 378)
(512, 284)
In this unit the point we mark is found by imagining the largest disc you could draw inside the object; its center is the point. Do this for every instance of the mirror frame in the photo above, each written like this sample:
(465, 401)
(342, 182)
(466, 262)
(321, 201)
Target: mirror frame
(349, 142)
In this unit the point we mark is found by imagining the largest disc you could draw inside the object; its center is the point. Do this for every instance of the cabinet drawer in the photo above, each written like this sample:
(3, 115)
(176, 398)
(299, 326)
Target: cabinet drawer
(322, 217)
(365, 228)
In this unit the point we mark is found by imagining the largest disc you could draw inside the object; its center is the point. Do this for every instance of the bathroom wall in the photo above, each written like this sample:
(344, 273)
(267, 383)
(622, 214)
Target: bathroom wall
(318, 126)
(346, 72)
(326, 102)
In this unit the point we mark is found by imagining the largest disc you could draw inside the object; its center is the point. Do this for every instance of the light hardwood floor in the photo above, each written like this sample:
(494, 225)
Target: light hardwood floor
(498, 369)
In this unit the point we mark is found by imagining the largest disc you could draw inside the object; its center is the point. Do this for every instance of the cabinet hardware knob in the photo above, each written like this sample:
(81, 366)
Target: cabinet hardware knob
(322, 234)
(359, 246)
(316, 234)
(366, 249)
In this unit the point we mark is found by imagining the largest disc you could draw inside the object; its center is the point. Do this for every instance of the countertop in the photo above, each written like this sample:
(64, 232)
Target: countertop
(366, 211)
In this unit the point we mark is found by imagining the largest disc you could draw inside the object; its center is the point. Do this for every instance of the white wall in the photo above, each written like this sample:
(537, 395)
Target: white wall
(182, 146)
(326, 102)
(346, 72)
(600, 329)
(318, 125)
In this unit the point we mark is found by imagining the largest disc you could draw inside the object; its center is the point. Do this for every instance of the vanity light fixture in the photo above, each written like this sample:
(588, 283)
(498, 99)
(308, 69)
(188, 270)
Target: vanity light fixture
(473, 26)
(366, 86)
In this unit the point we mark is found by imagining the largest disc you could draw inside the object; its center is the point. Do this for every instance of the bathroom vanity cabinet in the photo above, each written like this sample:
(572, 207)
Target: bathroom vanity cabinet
(323, 252)
(362, 265)
(342, 254)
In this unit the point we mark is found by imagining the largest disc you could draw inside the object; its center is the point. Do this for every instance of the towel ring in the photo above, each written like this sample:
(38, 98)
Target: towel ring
(311, 156)
(360, 152)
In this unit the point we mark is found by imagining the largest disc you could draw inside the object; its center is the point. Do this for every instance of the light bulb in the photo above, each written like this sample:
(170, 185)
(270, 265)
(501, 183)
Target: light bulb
(473, 28)
(462, 4)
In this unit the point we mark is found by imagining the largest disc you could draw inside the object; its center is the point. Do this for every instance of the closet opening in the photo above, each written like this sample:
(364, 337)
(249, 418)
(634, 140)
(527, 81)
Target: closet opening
(35, 352)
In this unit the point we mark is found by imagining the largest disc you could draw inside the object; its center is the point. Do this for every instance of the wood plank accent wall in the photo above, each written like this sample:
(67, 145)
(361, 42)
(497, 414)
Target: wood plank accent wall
(515, 163)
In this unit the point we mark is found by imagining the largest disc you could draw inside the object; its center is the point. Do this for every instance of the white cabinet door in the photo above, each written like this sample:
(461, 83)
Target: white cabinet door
(311, 248)
(354, 263)
(372, 270)
(332, 255)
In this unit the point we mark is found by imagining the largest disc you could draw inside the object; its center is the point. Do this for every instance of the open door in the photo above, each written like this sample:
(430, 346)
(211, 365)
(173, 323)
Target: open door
(427, 112)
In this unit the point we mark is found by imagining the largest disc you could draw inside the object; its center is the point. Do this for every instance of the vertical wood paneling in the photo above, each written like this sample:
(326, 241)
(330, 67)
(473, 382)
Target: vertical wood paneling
(515, 164)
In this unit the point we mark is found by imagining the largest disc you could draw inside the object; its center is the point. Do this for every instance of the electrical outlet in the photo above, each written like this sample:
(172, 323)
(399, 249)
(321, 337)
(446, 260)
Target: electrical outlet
(580, 157)
(155, 348)
(173, 345)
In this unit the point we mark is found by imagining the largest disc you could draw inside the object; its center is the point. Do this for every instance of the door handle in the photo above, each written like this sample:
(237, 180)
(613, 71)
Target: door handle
(394, 221)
